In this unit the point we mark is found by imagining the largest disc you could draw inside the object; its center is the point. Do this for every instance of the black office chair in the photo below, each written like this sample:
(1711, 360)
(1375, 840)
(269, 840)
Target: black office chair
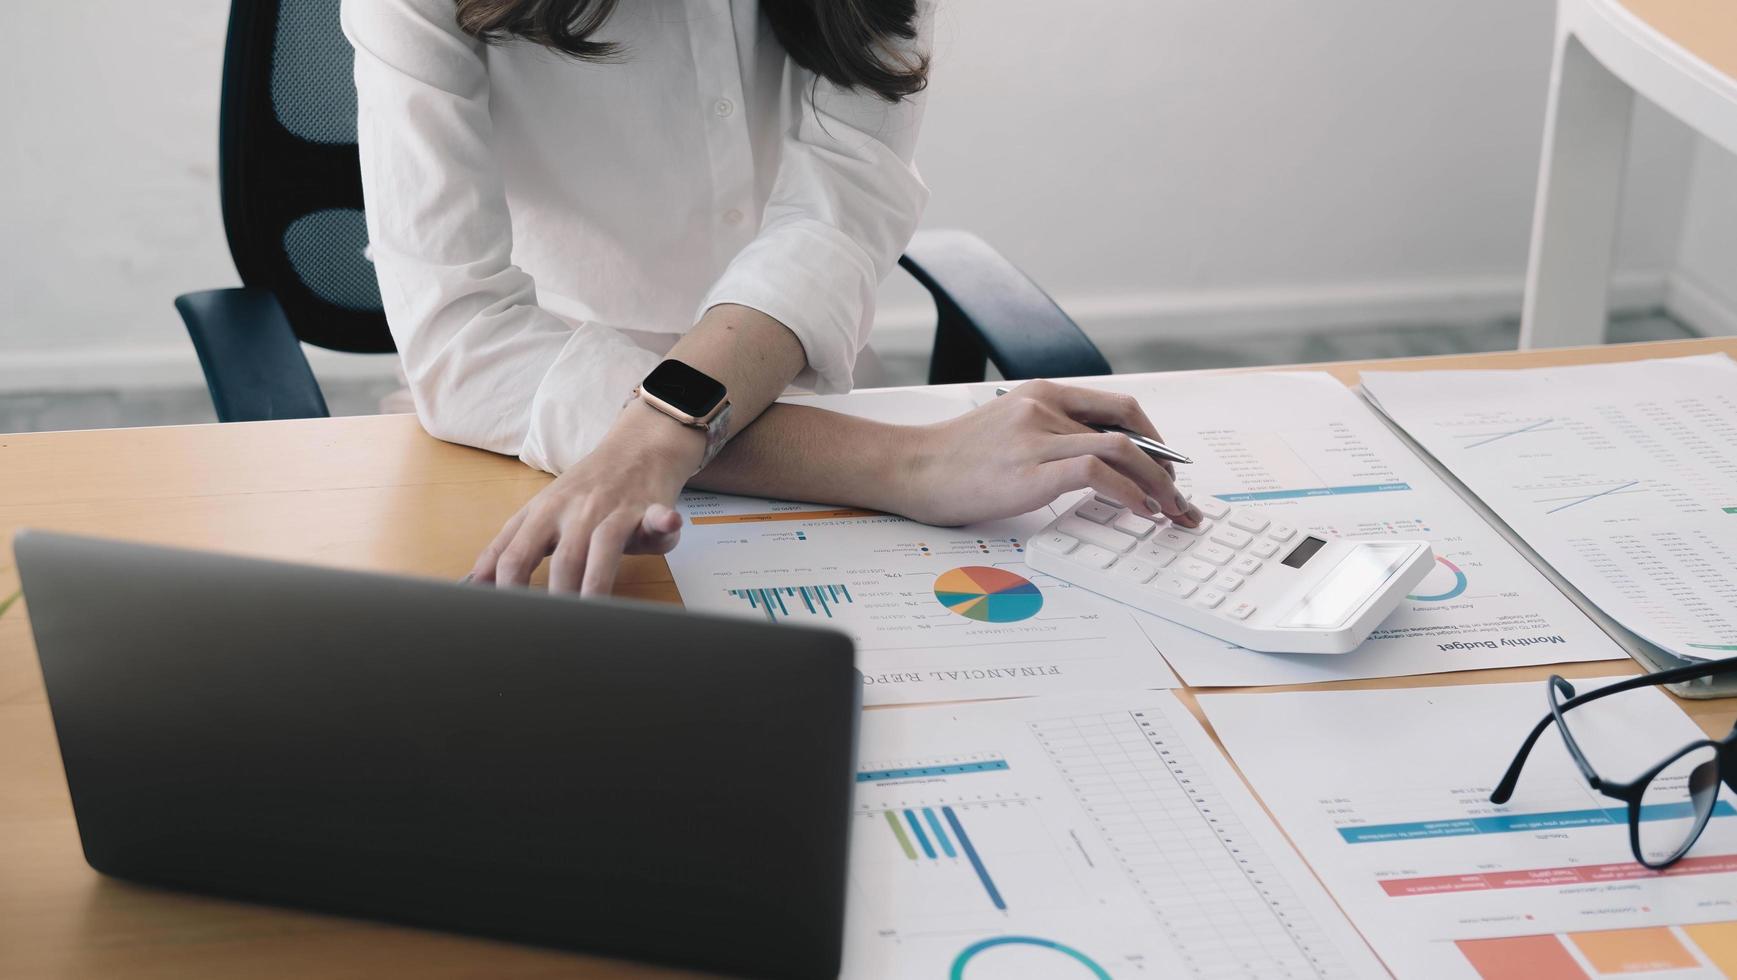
(292, 207)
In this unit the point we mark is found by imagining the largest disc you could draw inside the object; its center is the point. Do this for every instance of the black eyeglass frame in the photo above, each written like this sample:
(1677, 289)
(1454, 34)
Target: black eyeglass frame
(1629, 793)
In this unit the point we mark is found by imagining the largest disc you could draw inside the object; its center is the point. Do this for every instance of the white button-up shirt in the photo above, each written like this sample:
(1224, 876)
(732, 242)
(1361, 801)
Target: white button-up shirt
(544, 229)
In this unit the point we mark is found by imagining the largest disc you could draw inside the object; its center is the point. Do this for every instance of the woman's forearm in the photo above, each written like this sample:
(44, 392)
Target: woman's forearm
(792, 452)
(753, 355)
(795, 452)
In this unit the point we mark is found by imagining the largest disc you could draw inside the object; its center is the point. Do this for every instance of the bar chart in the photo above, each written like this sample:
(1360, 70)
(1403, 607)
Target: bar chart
(936, 840)
(1073, 837)
(967, 856)
(783, 601)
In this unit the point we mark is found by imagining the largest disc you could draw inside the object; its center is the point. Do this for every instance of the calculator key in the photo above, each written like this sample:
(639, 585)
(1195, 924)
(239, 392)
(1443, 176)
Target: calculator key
(1282, 532)
(1197, 530)
(1172, 538)
(1250, 521)
(1092, 556)
(1177, 585)
(1245, 565)
(1135, 569)
(1230, 537)
(1054, 542)
(1209, 597)
(1131, 523)
(1096, 534)
(1239, 610)
(1097, 512)
(1194, 568)
(1228, 581)
(1211, 506)
(1216, 553)
(1158, 555)
(1264, 549)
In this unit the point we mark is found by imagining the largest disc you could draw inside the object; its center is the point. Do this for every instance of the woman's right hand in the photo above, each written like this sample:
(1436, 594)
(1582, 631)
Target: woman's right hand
(1030, 446)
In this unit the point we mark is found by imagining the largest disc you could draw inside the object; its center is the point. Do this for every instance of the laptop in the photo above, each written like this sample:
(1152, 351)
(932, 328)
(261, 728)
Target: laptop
(620, 778)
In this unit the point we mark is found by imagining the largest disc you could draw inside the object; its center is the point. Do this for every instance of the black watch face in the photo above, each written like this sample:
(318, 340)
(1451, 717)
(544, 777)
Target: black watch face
(683, 388)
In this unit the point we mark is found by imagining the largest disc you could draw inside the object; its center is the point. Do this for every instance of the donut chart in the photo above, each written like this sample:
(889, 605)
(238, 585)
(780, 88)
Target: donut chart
(1451, 592)
(1092, 968)
(988, 595)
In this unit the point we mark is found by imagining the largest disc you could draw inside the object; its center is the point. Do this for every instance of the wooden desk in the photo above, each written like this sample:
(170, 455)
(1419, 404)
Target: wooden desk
(1707, 28)
(371, 493)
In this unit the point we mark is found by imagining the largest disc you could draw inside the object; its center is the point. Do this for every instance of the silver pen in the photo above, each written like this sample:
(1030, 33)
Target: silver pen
(1147, 444)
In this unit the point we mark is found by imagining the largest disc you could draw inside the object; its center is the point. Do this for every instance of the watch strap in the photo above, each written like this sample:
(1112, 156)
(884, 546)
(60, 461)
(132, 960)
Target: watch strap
(717, 433)
(717, 430)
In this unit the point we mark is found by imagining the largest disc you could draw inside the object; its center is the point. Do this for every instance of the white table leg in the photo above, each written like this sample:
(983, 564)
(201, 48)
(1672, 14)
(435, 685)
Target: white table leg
(1579, 194)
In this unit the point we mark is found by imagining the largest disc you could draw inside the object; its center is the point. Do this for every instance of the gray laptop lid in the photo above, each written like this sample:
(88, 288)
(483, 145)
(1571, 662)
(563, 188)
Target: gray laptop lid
(608, 776)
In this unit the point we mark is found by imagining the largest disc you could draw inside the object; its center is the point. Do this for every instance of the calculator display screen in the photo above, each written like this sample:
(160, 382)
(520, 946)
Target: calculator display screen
(1361, 574)
(1303, 552)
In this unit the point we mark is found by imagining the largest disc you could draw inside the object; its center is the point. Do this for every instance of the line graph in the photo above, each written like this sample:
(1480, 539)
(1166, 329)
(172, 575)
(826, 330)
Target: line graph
(1486, 438)
(1576, 498)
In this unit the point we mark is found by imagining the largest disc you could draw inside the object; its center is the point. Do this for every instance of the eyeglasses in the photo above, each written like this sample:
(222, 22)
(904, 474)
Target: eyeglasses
(1668, 805)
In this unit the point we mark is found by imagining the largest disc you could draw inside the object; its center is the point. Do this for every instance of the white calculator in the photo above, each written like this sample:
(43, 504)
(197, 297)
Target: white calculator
(1240, 576)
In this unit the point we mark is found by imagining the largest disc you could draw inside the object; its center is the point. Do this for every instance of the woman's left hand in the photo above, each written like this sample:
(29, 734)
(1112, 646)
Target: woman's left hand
(619, 499)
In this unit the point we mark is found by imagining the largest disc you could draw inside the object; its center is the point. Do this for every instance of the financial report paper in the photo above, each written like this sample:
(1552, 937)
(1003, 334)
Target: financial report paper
(1308, 452)
(1297, 445)
(1075, 836)
(1386, 793)
(937, 613)
(1622, 476)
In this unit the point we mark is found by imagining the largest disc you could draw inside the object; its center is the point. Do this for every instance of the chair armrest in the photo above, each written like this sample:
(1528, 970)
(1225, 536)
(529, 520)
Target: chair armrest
(254, 366)
(987, 309)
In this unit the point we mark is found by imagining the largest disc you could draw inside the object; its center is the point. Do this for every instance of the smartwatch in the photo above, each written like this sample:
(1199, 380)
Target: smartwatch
(691, 397)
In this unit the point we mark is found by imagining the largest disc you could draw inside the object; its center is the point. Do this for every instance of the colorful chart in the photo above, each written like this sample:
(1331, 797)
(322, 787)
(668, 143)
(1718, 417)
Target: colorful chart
(1611, 951)
(1451, 592)
(988, 595)
(965, 955)
(815, 600)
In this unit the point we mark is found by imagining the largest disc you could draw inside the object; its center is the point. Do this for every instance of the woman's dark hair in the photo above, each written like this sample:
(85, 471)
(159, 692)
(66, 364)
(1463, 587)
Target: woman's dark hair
(851, 43)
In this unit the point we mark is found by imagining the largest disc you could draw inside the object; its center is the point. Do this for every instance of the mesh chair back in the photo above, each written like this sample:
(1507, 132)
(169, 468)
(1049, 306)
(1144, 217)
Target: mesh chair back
(292, 186)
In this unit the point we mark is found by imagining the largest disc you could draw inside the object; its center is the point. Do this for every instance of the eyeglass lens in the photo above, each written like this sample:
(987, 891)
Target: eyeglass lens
(1676, 804)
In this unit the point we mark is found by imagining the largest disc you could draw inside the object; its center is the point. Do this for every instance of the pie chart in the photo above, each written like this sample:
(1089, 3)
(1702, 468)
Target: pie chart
(988, 595)
(1444, 586)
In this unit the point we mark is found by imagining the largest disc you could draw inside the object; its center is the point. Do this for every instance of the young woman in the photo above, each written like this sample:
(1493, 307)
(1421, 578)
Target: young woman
(561, 194)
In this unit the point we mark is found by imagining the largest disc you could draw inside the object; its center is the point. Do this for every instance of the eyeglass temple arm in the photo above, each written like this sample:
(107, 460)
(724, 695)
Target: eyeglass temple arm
(1505, 789)
(1511, 778)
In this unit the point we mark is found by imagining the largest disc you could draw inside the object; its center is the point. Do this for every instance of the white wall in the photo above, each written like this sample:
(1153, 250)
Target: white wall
(1180, 163)
(109, 196)
(1156, 164)
(1705, 285)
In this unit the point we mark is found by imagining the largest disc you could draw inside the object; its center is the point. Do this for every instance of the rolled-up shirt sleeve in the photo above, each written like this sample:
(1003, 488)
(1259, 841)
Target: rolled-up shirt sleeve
(487, 366)
(846, 199)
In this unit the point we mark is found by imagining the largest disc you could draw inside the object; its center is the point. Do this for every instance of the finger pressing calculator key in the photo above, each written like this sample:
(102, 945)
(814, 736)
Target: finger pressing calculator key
(1131, 523)
(1240, 576)
(1098, 512)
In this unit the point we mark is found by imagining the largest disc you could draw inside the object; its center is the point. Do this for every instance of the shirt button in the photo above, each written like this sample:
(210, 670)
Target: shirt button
(723, 107)
(733, 217)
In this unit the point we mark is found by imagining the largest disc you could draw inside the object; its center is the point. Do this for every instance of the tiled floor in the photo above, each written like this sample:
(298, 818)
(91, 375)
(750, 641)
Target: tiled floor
(44, 411)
